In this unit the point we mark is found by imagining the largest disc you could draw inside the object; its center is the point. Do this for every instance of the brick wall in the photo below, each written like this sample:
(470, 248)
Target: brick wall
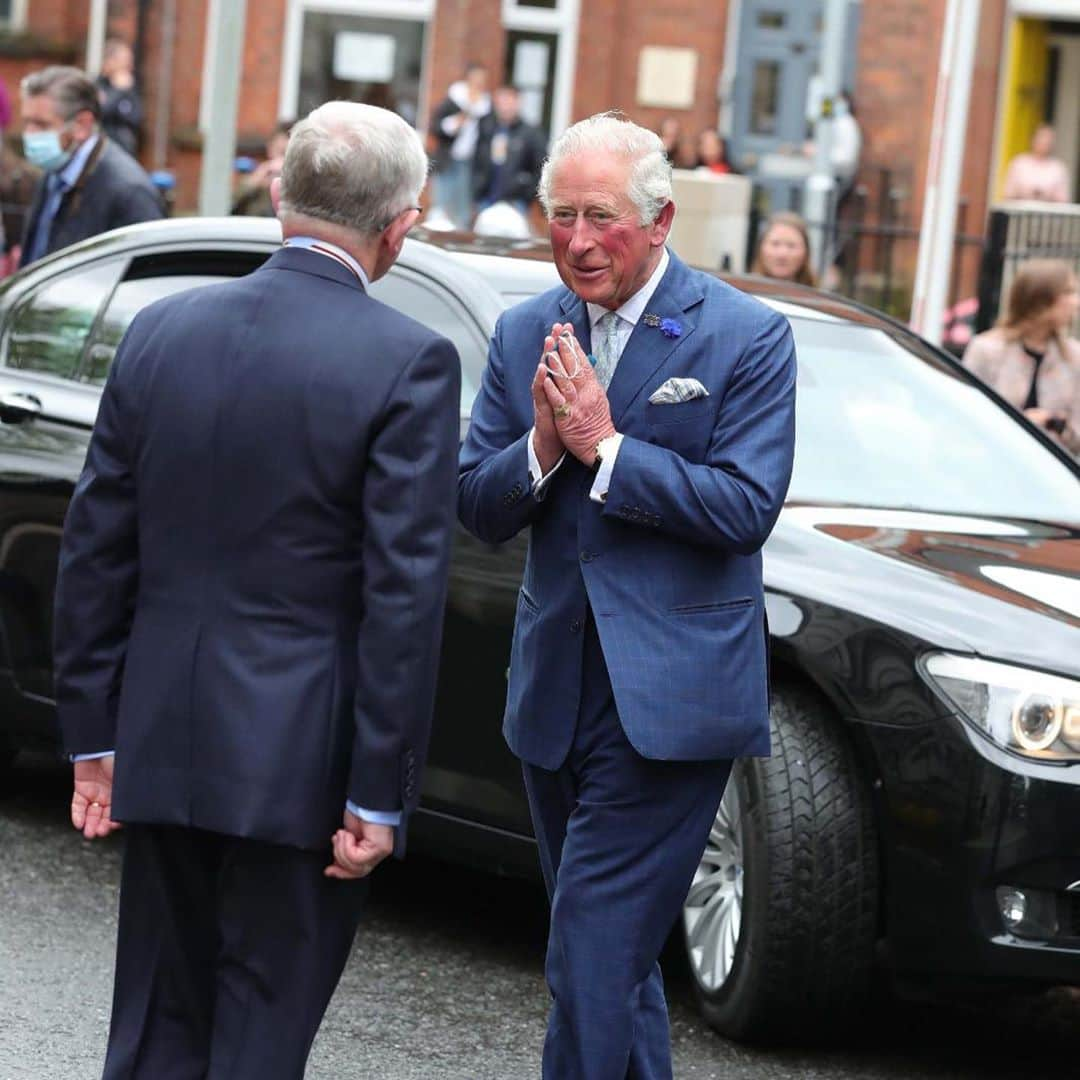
(612, 35)
(898, 50)
(898, 54)
(463, 32)
(59, 20)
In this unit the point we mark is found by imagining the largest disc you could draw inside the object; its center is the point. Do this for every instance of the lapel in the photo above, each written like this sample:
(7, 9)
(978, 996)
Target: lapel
(574, 311)
(678, 296)
(38, 204)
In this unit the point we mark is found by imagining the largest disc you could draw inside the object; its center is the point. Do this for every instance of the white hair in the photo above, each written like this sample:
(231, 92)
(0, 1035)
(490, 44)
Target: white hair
(353, 165)
(649, 185)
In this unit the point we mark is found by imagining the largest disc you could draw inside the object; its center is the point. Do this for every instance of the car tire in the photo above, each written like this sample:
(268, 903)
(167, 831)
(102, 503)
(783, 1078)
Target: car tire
(792, 865)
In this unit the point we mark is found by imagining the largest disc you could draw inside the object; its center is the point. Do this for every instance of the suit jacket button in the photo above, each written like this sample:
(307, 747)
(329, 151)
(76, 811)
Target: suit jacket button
(586, 556)
(575, 626)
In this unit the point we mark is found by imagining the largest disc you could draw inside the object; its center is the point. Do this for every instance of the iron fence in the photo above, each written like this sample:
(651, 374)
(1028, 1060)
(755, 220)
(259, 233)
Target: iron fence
(1017, 233)
(872, 248)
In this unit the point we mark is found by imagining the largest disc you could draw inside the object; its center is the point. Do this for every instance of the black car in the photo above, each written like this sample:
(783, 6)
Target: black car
(921, 811)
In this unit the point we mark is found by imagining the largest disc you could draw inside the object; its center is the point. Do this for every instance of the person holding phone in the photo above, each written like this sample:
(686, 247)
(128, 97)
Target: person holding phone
(1029, 357)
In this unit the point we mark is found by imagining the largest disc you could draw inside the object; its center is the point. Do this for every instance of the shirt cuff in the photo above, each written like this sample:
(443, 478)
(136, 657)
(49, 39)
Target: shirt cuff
(92, 757)
(598, 491)
(374, 817)
(539, 480)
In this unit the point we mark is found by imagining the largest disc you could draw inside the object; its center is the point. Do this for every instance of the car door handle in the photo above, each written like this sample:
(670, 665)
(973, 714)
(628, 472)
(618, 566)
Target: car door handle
(16, 408)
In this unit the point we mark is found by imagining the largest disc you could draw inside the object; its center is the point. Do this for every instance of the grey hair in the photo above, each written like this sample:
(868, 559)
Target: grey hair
(649, 186)
(68, 87)
(354, 165)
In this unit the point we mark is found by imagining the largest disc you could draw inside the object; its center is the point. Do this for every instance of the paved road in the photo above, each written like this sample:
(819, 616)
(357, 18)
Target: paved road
(444, 984)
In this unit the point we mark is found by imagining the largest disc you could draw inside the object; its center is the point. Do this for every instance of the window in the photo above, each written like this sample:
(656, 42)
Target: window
(373, 60)
(530, 66)
(437, 309)
(13, 14)
(49, 330)
(765, 97)
(150, 278)
(881, 422)
(772, 20)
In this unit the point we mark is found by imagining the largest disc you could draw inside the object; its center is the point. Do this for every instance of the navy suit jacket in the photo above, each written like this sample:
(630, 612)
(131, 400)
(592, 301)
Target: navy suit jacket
(254, 562)
(670, 564)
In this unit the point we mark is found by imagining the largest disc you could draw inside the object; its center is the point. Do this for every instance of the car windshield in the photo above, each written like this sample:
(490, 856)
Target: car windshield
(883, 424)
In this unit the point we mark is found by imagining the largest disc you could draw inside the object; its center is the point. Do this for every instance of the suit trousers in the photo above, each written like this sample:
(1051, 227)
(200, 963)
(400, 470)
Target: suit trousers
(620, 837)
(227, 955)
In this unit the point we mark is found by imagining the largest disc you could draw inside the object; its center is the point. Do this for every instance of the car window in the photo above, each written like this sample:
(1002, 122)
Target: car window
(427, 302)
(48, 331)
(150, 278)
(883, 422)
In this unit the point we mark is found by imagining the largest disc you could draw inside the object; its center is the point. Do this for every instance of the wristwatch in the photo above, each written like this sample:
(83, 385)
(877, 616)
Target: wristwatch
(598, 451)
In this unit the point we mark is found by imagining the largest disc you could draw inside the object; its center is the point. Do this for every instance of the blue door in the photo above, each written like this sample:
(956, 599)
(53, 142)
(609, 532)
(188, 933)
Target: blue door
(778, 56)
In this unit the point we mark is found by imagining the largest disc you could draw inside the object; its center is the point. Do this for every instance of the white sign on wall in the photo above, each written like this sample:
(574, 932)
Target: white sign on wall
(364, 57)
(667, 77)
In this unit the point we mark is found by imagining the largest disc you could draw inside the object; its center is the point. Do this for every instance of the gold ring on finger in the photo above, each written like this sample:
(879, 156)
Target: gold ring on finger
(562, 411)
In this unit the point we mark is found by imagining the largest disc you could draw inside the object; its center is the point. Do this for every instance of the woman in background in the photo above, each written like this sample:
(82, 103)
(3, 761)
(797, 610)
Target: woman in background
(712, 153)
(783, 252)
(1028, 358)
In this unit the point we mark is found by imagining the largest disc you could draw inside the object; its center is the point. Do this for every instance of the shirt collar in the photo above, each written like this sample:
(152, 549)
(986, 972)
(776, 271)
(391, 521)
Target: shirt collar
(70, 173)
(635, 307)
(330, 251)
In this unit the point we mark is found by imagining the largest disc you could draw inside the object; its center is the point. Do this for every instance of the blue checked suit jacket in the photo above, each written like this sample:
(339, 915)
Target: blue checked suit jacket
(670, 563)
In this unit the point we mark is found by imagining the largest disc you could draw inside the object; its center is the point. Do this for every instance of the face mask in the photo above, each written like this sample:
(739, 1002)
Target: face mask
(43, 149)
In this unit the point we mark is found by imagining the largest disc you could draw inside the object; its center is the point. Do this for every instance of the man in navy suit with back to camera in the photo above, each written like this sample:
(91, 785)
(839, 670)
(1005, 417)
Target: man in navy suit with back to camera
(650, 481)
(248, 614)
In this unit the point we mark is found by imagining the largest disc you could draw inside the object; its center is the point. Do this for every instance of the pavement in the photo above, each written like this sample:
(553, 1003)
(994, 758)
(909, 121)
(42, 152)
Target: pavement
(445, 981)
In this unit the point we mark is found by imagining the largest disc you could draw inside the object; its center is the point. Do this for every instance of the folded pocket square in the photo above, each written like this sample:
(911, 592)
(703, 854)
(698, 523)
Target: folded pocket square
(675, 391)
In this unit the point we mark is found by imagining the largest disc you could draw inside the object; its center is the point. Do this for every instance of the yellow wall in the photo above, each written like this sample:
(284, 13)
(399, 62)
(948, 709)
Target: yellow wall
(1025, 89)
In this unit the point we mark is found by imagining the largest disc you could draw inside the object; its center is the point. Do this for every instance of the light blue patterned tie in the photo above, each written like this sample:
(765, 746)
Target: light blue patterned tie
(607, 347)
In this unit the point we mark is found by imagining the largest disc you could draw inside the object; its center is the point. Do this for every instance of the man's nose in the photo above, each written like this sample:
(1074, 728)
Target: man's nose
(581, 238)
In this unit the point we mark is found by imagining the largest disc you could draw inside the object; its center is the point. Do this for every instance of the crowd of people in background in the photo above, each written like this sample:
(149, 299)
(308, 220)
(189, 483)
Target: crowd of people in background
(77, 175)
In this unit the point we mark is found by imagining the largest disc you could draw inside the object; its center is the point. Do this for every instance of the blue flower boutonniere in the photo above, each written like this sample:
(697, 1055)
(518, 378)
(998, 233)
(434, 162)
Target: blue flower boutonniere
(670, 328)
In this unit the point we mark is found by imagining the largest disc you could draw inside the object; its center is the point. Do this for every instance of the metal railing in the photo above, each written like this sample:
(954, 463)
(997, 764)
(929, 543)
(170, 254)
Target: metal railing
(873, 245)
(1017, 232)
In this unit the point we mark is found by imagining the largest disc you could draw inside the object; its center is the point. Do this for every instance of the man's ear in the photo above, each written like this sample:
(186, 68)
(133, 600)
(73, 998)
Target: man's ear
(83, 125)
(394, 234)
(660, 228)
(275, 193)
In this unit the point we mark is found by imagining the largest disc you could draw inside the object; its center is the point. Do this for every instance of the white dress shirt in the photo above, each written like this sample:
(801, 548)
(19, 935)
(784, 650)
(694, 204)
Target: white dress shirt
(629, 315)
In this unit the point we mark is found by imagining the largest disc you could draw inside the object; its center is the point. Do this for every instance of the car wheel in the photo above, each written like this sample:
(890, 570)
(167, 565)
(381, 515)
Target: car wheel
(781, 918)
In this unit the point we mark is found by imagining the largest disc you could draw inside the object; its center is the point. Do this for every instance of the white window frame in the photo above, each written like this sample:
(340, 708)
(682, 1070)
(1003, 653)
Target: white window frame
(17, 19)
(1065, 10)
(289, 87)
(563, 22)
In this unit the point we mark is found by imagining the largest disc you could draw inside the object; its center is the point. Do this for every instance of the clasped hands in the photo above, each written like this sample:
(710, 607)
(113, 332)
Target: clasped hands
(570, 407)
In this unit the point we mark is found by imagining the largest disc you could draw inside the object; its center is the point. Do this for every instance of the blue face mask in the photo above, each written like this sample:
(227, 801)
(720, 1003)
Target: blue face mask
(43, 149)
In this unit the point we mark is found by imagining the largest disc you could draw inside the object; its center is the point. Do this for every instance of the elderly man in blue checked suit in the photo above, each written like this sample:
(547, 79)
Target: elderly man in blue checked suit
(639, 664)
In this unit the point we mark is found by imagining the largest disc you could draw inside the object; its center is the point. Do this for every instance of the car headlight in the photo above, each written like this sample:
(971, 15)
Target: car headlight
(1029, 712)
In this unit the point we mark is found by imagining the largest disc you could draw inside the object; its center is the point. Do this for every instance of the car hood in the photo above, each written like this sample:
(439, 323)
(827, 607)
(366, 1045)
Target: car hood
(999, 587)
